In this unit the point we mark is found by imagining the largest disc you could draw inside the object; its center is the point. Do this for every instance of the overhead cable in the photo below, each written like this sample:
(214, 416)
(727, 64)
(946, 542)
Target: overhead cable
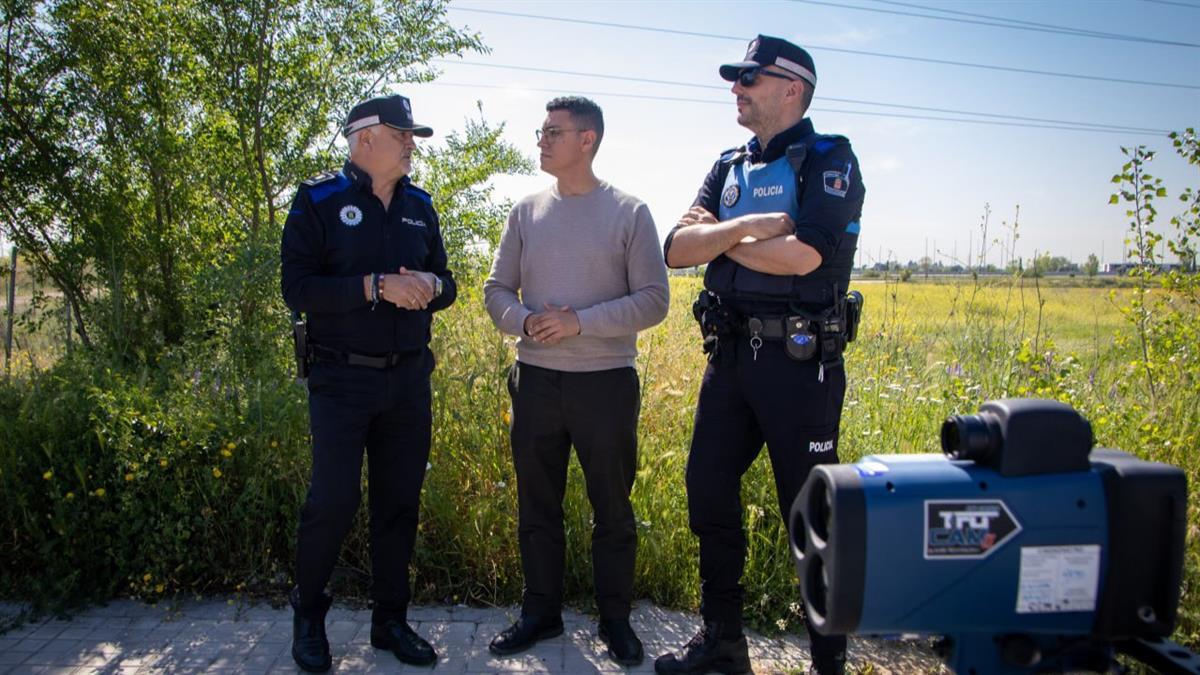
(680, 99)
(883, 104)
(839, 50)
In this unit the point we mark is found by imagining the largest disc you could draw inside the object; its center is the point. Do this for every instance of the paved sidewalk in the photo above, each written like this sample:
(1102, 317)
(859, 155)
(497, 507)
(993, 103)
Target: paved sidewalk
(216, 636)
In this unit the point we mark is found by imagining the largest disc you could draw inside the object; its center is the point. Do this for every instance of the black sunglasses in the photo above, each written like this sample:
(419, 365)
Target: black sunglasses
(749, 76)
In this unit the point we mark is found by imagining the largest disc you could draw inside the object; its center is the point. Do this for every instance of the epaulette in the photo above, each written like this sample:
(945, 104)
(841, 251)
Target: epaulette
(323, 177)
(826, 142)
(734, 155)
(419, 193)
(325, 184)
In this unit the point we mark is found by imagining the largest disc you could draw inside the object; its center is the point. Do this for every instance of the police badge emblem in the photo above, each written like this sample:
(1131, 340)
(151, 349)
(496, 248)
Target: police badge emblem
(836, 183)
(351, 215)
(731, 194)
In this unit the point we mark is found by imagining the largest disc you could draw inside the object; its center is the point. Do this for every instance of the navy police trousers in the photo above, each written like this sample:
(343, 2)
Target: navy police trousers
(388, 413)
(746, 401)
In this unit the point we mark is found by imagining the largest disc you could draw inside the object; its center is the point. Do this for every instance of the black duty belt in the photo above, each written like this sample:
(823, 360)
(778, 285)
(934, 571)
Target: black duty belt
(351, 359)
(770, 327)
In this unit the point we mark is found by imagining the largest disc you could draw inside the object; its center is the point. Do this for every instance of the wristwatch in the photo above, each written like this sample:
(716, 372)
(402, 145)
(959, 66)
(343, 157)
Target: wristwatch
(437, 285)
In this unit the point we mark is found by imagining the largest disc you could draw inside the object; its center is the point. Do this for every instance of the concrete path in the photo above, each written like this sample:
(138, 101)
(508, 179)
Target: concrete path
(222, 636)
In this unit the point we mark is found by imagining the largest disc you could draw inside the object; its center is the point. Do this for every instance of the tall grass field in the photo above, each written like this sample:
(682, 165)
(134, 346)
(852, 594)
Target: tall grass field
(190, 482)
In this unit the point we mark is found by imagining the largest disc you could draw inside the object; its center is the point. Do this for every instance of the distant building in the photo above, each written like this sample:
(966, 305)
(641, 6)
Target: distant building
(1126, 267)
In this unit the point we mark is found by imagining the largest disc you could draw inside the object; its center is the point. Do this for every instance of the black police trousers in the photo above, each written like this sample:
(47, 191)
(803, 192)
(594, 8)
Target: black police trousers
(597, 412)
(743, 403)
(388, 413)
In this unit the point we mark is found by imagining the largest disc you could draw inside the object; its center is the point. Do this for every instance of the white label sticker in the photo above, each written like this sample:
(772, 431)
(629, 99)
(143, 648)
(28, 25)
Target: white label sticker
(1058, 579)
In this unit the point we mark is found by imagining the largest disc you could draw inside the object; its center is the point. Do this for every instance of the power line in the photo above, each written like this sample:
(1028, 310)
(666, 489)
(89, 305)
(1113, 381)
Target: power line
(839, 50)
(884, 104)
(680, 99)
(1074, 32)
(1072, 29)
(1177, 3)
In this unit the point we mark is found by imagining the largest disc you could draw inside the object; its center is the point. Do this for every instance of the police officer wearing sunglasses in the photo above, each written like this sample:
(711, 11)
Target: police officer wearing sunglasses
(362, 256)
(777, 223)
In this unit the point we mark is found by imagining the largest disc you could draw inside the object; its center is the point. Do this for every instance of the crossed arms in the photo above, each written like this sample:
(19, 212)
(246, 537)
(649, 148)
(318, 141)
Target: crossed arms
(763, 242)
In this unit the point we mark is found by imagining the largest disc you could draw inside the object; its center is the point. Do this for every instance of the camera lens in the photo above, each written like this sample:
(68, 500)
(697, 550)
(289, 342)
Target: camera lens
(973, 437)
(820, 511)
(816, 587)
(798, 533)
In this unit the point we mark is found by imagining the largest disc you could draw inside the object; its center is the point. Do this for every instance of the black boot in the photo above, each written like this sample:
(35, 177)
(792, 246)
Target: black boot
(828, 652)
(716, 647)
(310, 647)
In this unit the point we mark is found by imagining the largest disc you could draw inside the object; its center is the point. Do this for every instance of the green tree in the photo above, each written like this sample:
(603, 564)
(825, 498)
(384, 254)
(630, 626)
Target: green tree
(1092, 266)
(1139, 190)
(148, 149)
(456, 175)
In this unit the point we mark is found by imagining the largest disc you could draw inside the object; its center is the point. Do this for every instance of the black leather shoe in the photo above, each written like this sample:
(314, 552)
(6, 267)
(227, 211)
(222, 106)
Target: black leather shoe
(398, 637)
(624, 647)
(310, 647)
(525, 633)
(708, 652)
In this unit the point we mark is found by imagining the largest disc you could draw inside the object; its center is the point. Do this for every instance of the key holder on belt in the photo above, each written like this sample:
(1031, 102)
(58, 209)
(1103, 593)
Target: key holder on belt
(755, 326)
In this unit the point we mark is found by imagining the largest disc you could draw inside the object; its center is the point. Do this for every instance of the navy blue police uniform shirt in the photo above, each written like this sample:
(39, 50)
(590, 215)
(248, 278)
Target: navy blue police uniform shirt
(826, 209)
(336, 232)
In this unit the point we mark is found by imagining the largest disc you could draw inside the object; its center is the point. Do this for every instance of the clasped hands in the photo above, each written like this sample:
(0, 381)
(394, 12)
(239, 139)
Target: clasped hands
(406, 289)
(552, 325)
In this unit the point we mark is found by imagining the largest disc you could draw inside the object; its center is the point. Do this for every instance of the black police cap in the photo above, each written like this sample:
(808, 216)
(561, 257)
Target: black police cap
(765, 50)
(394, 111)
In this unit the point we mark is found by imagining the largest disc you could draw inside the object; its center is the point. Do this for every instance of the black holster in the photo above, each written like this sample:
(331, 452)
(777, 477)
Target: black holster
(716, 321)
(300, 345)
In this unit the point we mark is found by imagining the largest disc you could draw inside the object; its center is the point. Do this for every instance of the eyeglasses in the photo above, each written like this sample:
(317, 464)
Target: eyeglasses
(749, 76)
(552, 134)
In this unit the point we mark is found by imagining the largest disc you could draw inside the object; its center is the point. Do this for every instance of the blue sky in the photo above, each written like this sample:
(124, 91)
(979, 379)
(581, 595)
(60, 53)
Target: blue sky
(927, 181)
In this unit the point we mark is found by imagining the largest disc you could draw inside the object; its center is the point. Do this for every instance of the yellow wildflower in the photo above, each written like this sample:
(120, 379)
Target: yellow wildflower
(99, 492)
(147, 577)
(160, 588)
(70, 495)
(48, 475)
(216, 472)
(226, 453)
(162, 463)
(231, 446)
(274, 444)
(128, 477)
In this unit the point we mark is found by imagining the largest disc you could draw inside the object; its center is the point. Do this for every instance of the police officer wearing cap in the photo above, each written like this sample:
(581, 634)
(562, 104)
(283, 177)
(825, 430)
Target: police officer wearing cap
(777, 222)
(362, 256)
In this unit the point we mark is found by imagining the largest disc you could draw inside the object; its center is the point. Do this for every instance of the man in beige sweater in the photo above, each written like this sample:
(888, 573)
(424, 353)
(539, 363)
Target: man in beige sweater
(578, 273)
